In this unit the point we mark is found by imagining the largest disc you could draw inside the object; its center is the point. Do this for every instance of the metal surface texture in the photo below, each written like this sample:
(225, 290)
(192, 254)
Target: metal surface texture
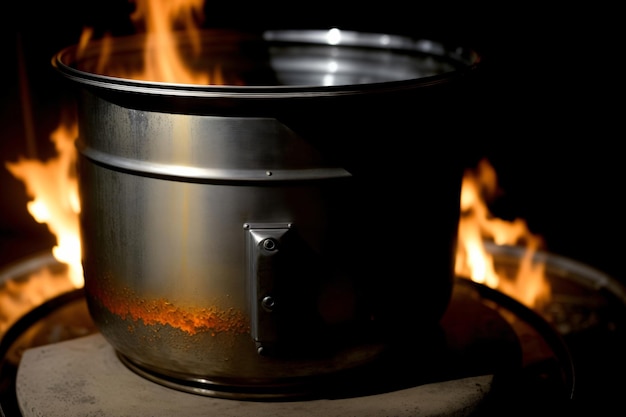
(169, 174)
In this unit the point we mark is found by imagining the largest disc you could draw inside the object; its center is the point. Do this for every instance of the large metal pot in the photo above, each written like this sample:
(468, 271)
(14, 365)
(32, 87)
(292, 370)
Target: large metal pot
(246, 238)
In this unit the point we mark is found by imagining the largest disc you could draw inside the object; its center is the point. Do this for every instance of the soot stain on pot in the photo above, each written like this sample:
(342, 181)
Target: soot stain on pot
(153, 312)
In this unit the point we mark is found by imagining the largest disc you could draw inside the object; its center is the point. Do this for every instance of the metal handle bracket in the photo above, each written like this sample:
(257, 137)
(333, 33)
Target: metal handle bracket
(264, 243)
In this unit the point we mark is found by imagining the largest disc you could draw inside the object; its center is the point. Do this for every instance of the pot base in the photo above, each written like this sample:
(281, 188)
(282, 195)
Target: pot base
(301, 388)
(209, 388)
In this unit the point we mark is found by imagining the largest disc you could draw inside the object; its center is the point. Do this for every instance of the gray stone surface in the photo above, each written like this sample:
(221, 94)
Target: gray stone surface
(83, 377)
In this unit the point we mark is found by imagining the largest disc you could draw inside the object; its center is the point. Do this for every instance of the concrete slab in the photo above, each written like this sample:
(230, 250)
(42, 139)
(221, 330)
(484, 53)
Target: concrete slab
(84, 377)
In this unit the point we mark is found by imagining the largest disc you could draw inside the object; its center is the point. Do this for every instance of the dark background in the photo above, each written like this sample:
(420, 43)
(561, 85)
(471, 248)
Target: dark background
(547, 116)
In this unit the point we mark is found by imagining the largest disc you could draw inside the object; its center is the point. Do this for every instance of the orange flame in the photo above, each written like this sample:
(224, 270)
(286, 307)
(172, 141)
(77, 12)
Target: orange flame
(162, 21)
(162, 59)
(477, 225)
(21, 295)
(53, 187)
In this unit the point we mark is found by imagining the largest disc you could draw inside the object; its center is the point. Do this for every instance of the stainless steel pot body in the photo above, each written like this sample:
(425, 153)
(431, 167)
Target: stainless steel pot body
(260, 235)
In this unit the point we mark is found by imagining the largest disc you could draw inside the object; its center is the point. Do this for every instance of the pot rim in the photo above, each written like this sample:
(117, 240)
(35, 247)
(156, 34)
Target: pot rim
(464, 60)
